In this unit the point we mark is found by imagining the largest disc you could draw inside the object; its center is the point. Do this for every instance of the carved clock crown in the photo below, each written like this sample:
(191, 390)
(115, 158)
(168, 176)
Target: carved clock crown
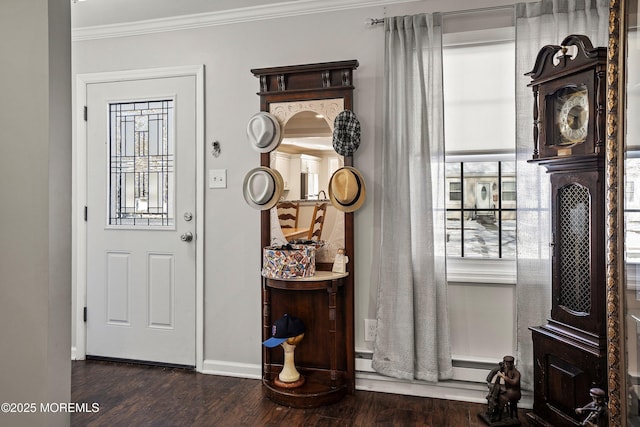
(549, 65)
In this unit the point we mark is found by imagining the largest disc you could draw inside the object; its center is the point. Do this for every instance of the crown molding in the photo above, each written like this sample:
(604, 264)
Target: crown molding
(226, 17)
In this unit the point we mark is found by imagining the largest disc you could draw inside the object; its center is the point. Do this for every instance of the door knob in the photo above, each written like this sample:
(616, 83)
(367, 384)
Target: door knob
(186, 237)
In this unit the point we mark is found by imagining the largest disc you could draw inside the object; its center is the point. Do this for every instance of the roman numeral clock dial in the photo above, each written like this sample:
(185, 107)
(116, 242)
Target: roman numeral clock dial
(572, 115)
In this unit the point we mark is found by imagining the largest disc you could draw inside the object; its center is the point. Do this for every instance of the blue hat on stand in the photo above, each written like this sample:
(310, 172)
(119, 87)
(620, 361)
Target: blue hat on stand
(284, 328)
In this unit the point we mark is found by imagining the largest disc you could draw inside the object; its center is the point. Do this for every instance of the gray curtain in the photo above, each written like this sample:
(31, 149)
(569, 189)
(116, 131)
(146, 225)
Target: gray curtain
(412, 340)
(539, 24)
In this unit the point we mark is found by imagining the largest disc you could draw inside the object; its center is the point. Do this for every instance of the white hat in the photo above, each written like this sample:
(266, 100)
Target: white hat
(263, 132)
(262, 187)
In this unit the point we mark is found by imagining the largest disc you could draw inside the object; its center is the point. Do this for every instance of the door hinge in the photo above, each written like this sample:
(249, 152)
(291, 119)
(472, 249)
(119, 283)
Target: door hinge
(84, 314)
(85, 113)
(86, 213)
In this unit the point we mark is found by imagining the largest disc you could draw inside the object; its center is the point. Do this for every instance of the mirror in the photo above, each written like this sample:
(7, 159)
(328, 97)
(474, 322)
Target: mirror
(295, 95)
(306, 160)
(624, 291)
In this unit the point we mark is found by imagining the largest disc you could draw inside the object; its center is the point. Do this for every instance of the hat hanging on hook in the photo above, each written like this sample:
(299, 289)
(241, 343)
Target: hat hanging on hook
(263, 132)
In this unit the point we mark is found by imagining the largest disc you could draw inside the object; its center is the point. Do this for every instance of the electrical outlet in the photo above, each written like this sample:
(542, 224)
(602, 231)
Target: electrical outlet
(370, 329)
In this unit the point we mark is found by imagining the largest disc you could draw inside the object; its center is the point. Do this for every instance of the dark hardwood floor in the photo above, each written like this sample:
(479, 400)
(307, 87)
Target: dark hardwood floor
(135, 395)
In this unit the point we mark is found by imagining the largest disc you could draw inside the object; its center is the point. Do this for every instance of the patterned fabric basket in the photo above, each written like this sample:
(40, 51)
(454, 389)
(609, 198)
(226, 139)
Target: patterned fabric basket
(289, 262)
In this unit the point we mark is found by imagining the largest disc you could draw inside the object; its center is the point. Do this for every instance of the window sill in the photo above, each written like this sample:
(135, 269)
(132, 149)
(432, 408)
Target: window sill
(477, 270)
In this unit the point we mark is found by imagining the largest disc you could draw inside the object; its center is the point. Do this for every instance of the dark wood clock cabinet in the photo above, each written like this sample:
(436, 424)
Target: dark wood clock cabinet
(568, 133)
(324, 302)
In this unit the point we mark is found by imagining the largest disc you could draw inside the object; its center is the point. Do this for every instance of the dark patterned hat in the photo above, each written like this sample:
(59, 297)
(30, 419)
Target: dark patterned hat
(346, 133)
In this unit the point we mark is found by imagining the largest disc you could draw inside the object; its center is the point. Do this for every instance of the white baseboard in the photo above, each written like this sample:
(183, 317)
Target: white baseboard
(449, 390)
(232, 369)
(467, 385)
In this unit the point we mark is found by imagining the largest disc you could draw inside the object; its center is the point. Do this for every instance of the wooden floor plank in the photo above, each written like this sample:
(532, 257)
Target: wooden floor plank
(135, 395)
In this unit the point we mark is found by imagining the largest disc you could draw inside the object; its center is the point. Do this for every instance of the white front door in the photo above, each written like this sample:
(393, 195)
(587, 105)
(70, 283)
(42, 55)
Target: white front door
(141, 225)
(483, 195)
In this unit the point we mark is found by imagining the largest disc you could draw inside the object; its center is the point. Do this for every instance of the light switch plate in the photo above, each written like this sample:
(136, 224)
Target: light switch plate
(217, 178)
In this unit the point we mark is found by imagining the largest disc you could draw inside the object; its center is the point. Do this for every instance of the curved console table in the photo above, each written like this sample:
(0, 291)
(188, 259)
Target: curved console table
(321, 357)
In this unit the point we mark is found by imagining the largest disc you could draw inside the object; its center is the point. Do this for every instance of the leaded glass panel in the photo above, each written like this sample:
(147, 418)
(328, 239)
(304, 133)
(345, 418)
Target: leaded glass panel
(575, 265)
(141, 164)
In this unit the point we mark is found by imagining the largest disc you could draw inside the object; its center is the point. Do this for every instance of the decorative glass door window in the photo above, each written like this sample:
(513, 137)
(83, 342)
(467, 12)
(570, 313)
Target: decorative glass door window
(575, 264)
(141, 164)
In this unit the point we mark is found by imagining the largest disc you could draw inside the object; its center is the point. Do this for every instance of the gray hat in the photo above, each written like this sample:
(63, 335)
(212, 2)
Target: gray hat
(262, 188)
(346, 133)
(263, 132)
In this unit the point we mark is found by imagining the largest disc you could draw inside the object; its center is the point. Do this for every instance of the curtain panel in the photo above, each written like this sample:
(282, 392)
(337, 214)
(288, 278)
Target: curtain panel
(412, 340)
(539, 24)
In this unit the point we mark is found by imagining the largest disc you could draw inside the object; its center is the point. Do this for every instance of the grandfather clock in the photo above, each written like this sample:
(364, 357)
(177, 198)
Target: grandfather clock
(568, 83)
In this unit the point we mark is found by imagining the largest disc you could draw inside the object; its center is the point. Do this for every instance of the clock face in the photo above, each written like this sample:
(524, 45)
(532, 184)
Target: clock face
(571, 115)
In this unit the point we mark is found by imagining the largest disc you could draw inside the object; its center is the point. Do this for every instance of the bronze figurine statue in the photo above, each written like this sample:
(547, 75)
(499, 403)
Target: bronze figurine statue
(596, 410)
(504, 394)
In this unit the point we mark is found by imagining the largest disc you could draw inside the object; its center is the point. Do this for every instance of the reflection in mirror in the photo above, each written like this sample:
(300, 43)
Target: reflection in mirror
(632, 213)
(306, 160)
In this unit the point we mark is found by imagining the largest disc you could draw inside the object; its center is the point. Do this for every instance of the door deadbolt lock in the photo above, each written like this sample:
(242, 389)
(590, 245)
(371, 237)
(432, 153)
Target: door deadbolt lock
(186, 237)
(188, 216)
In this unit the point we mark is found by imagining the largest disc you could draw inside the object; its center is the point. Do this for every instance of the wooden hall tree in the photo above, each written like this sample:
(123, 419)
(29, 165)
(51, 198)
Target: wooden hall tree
(324, 302)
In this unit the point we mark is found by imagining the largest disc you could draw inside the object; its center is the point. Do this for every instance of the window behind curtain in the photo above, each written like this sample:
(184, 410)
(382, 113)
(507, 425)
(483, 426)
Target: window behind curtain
(479, 102)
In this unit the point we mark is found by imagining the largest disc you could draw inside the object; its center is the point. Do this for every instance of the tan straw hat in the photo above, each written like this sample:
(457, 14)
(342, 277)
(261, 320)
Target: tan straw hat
(262, 188)
(346, 189)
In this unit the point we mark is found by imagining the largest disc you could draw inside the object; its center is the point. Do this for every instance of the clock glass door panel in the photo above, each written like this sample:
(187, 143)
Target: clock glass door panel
(575, 261)
(578, 258)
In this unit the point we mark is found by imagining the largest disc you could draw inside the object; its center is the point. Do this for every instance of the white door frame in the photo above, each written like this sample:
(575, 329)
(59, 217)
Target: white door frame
(79, 195)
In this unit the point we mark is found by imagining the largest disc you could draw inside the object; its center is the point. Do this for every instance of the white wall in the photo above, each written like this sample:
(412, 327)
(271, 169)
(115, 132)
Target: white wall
(232, 229)
(482, 321)
(35, 187)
